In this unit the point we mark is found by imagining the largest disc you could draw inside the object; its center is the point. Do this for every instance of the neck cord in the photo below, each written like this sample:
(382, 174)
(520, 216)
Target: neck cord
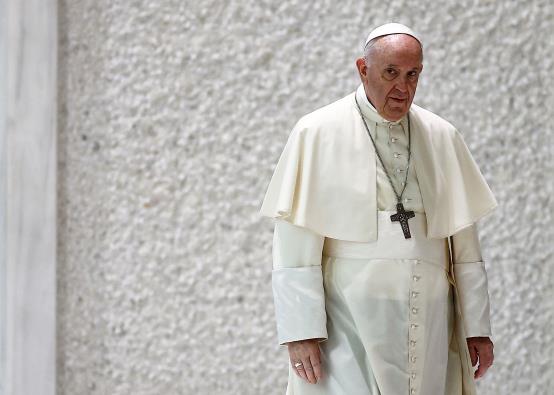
(398, 197)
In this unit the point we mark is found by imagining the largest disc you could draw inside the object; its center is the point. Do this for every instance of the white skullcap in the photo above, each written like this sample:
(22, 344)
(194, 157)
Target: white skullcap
(390, 28)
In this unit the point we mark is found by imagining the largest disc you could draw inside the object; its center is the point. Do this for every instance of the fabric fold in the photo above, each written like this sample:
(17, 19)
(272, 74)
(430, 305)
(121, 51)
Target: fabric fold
(299, 301)
(471, 279)
(295, 246)
(455, 194)
(321, 180)
(325, 179)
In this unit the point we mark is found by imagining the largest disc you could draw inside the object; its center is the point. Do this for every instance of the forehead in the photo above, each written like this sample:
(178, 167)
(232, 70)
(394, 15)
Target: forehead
(397, 49)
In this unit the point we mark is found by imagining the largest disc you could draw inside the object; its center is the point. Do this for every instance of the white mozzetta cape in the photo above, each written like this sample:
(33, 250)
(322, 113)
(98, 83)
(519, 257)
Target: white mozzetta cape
(325, 179)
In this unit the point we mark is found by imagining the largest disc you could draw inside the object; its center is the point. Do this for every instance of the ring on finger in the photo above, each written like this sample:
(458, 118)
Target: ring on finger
(298, 365)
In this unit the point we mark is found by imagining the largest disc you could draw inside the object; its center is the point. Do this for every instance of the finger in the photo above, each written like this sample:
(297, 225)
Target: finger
(294, 359)
(485, 362)
(309, 369)
(316, 364)
(295, 369)
(486, 356)
(302, 372)
(480, 372)
(472, 354)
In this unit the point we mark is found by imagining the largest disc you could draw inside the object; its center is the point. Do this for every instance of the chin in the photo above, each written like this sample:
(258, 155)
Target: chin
(395, 115)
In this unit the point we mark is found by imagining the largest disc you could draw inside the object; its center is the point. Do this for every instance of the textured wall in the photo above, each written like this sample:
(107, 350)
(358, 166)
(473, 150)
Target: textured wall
(172, 116)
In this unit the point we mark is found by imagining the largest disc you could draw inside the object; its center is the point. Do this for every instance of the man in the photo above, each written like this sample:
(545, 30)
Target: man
(378, 279)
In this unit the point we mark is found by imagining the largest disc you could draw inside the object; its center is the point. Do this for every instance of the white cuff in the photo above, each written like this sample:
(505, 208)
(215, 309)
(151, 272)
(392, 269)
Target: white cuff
(299, 298)
(295, 246)
(472, 284)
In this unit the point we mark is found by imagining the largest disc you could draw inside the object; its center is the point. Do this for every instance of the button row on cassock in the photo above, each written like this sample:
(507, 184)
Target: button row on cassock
(398, 170)
(414, 325)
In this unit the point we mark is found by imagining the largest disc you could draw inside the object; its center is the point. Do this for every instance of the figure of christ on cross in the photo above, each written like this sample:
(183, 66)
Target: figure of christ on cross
(402, 216)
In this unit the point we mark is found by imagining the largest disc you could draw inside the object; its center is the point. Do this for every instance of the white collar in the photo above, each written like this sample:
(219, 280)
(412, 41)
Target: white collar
(370, 112)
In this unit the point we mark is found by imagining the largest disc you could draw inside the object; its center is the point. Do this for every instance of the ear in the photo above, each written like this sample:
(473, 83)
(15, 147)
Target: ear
(362, 67)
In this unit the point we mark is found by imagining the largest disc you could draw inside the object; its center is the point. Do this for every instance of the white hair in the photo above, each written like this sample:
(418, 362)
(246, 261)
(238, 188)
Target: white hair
(368, 49)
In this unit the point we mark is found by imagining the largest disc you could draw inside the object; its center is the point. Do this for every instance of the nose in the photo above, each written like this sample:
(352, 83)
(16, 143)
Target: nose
(402, 85)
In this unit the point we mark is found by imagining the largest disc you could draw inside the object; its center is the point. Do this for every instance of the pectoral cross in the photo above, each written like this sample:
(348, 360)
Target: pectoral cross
(402, 216)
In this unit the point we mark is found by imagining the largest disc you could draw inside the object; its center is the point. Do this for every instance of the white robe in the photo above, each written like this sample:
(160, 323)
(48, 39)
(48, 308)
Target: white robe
(299, 295)
(325, 178)
(309, 307)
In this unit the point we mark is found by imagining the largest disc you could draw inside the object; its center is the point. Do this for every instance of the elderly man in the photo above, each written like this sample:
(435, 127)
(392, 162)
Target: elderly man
(378, 279)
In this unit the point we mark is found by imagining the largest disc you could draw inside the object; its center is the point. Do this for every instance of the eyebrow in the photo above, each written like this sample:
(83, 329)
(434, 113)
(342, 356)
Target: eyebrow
(395, 65)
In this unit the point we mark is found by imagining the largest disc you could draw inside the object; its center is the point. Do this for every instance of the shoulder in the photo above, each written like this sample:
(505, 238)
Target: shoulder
(328, 117)
(433, 123)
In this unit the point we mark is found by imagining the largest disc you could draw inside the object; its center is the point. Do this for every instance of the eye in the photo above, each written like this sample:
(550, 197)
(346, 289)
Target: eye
(413, 74)
(390, 73)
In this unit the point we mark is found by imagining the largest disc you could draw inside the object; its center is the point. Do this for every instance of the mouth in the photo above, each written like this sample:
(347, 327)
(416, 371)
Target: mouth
(398, 100)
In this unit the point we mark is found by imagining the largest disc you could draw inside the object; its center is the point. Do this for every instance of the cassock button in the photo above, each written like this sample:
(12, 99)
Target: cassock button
(412, 342)
(413, 359)
(416, 278)
(396, 154)
(414, 294)
(412, 391)
(414, 310)
(413, 325)
(393, 139)
(413, 375)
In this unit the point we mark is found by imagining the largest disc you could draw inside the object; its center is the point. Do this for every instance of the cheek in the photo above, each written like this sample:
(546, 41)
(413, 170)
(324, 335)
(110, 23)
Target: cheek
(390, 91)
(380, 90)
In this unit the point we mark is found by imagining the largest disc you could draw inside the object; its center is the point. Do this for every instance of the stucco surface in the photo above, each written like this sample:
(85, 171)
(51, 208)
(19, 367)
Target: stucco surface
(172, 115)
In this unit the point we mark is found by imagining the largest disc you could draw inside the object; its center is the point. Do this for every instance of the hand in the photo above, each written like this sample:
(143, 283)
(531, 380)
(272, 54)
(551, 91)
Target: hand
(306, 351)
(481, 347)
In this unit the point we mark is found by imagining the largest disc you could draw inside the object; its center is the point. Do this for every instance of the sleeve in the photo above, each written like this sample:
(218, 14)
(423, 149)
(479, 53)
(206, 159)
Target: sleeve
(471, 279)
(297, 282)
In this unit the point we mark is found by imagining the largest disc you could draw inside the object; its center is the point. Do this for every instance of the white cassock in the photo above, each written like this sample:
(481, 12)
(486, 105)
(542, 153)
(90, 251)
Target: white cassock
(392, 314)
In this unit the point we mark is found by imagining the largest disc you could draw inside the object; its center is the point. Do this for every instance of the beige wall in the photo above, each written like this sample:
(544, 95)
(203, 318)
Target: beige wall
(172, 116)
